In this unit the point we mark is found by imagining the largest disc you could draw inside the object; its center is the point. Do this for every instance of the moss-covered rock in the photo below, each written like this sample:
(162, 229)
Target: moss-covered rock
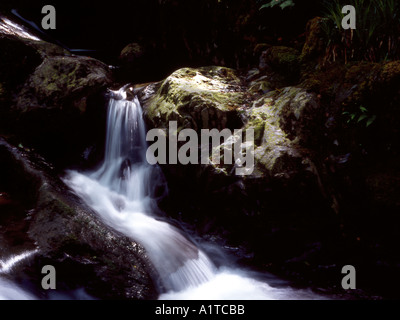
(59, 105)
(284, 60)
(45, 92)
(315, 44)
(203, 98)
(61, 82)
(282, 122)
(131, 52)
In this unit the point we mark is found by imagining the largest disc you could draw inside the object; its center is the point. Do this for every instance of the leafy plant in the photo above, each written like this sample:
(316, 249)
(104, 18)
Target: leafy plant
(282, 3)
(376, 37)
(361, 116)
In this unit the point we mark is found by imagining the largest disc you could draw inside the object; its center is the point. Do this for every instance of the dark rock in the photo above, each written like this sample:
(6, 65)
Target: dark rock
(316, 42)
(70, 236)
(17, 60)
(284, 60)
(59, 108)
(131, 53)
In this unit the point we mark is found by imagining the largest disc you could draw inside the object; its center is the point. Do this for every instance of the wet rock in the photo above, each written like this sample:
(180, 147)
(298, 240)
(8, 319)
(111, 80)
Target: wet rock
(70, 236)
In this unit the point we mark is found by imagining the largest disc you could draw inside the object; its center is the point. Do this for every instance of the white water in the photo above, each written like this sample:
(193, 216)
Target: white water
(9, 290)
(9, 27)
(6, 266)
(122, 192)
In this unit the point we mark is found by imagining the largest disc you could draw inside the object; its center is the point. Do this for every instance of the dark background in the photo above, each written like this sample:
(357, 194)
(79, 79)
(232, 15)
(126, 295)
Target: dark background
(174, 33)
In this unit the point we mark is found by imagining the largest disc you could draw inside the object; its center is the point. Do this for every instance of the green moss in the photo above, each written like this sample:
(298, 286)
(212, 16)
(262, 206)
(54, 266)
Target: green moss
(371, 80)
(56, 76)
(361, 71)
(190, 96)
(390, 73)
(259, 128)
(284, 59)
(325, 81)
(131, 52)
(270, 140)
(53, 204)
(315, 42)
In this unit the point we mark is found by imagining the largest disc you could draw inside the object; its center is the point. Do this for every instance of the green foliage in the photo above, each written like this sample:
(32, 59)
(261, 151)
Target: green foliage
(361, 116)
(282, 3)
(376, 37)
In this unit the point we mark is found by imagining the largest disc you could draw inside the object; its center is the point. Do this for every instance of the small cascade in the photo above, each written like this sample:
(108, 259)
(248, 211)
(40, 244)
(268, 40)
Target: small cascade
(122, 191)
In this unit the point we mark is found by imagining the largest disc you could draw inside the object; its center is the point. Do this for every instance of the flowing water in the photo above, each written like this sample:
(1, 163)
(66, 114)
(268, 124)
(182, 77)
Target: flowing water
(8, 289)
(7, 265)
(124, 190)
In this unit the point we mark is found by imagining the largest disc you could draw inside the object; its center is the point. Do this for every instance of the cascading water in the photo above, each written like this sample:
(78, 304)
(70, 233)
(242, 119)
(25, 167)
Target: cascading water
(123, 192)
(9, 290)
(7, 265)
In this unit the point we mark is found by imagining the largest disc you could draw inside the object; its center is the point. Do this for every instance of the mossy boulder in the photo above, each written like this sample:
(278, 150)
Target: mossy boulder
(299, 113)
(315, 44)
(69, 235)
(131, 52)
(60, 106)
(284, 60)
(373, 86)
(49, 99)
(19, 57)
(284, 124)
(272, 146)
(202, 98)
(61, 82)
(284, 120)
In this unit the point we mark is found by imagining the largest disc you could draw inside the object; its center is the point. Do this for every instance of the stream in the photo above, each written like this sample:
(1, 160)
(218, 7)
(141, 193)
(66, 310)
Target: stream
(123, 192)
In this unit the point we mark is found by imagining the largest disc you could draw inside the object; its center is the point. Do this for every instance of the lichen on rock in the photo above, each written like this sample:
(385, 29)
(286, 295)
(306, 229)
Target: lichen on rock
(203, 98)
(281, 124)
(59, 80)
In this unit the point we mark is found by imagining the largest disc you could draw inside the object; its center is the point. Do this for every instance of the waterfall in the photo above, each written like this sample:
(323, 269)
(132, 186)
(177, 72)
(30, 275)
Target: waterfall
(123, 192)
